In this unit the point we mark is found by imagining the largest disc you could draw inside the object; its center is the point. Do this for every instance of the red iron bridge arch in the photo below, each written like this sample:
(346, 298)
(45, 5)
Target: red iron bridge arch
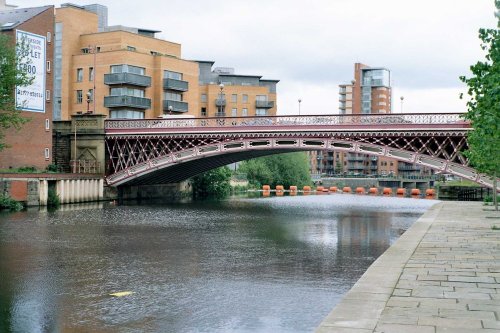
(168, 150)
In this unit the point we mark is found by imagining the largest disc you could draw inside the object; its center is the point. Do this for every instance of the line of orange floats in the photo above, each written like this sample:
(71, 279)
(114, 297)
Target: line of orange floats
(386, 191)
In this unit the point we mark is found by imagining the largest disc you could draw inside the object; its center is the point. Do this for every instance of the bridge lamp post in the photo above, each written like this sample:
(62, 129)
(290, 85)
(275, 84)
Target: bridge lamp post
(89, 99)
(170, 108)
(221, 107)
(402, 98)
(300, 101)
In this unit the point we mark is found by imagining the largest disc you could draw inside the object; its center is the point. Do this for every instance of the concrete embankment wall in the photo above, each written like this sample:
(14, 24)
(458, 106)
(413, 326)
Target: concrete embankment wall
(33, 189)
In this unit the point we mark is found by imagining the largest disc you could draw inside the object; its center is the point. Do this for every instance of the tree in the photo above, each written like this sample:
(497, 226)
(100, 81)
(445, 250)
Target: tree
(213, 183)
(483, 107)
(282, 169)
(11, 76)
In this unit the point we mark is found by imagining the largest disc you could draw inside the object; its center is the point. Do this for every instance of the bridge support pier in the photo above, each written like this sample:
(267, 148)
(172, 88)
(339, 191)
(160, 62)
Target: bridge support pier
(161, 193)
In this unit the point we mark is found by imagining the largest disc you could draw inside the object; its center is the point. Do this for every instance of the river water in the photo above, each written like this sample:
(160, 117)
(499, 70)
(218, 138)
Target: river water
(277, 264)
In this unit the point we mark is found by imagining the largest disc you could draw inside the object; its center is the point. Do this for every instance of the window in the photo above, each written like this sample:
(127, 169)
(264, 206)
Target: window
(203, 112)
(79, 97)
(85, 50)
(48, 66)
(47, 95)
(128, 69)
(125, 91)
(131, 48)
(234, 112)
(49, 37)
(244, 111)
(91, 73)
(172, 75)
(90, 95)
(261, 112)
(172, 96)
(126, 114)
(203, 98)
(261, 98)
(79, 74)
(245, 98)
(47, 124)
(47, 153)
(234, 98)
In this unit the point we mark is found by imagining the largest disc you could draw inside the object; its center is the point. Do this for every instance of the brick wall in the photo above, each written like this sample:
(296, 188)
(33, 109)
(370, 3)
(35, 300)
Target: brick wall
(27, 146)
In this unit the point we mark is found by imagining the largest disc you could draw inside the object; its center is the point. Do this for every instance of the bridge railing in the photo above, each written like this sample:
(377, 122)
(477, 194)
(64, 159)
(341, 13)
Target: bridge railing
(318, 120)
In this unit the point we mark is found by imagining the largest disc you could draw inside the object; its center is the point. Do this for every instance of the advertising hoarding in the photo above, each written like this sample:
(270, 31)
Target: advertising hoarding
(32, 47)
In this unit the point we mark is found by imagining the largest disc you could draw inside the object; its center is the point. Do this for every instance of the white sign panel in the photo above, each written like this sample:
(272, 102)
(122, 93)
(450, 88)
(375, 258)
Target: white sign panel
(32, 97)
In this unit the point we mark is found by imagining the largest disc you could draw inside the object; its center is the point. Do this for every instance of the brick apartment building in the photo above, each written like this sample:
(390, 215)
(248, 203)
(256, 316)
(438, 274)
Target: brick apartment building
(32, 145)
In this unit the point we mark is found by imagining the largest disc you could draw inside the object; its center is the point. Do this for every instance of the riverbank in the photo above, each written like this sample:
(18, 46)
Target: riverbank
(442, 275)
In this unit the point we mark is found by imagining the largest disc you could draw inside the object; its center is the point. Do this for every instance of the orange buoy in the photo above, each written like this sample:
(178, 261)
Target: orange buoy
(415, 192)
(333, 189)
(373, 191)
(325, 190)
(293, 188)
(306, 189)
(266, 187)
(319, 189)
(387, 191)
(430, 192)
(401, 191)
(266, 193)
(360, 190)
(279, 188)
(347, 189)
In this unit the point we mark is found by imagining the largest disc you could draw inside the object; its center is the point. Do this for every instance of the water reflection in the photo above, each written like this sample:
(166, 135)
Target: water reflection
(244, 265)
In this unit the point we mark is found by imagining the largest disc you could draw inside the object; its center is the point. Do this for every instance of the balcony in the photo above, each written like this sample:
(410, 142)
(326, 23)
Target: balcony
(127, 101)
(220, 114)
(220, 102)
(127, 78)
(176, 106)
(177, 85)
(264, 104)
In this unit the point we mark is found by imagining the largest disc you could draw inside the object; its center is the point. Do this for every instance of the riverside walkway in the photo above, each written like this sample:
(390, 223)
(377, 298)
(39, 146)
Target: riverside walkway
(442, 275)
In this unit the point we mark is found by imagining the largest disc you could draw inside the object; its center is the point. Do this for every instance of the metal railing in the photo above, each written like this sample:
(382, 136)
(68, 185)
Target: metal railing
(124, 101)
(85, 166)
(291, 121)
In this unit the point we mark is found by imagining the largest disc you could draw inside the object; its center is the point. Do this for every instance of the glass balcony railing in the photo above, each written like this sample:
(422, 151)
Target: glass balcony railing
(127, 101)
(176, 106)
(127, 78)
(264, 104)
(177, 85)
(220, 102)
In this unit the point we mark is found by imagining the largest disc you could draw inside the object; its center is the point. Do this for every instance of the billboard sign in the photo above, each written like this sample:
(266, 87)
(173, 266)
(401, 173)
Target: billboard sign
(32, 47)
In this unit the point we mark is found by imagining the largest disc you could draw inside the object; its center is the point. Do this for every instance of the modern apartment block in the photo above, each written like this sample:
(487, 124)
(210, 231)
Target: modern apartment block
(369, 92)
(126, 72)
(224, 93)
(32, 144)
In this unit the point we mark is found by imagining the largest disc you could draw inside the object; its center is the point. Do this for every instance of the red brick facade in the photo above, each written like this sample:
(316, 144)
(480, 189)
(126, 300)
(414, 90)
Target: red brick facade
(28, 146)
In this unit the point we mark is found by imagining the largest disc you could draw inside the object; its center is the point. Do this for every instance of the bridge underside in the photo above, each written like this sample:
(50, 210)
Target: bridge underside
(178, 172)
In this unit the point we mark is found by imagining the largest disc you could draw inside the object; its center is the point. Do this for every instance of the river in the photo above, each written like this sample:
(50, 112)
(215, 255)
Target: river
(277, 264)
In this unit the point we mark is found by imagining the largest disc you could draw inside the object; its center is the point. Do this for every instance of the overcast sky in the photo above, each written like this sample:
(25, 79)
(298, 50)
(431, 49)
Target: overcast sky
(311, 46)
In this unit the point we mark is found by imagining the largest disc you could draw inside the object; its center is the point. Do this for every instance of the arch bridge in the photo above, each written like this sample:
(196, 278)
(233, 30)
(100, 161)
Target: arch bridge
(168, 150)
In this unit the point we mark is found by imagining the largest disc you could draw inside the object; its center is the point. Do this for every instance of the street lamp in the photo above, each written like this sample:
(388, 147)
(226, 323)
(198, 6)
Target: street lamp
(402, 98)
(221, 107)
(89, 99)
(170, 108)
(300, 101)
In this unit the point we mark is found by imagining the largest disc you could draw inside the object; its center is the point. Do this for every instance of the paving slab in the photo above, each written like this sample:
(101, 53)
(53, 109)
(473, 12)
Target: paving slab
(442, 275)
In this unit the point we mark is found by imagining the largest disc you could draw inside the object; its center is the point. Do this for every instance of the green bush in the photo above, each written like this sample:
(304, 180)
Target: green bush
(53, 200)
(52, 168)
(7, 203)
(27, 169)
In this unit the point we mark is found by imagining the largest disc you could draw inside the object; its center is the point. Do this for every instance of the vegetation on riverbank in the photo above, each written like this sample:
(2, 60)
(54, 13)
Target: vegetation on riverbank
(213, 183)
(7, 203)
(283, 169)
